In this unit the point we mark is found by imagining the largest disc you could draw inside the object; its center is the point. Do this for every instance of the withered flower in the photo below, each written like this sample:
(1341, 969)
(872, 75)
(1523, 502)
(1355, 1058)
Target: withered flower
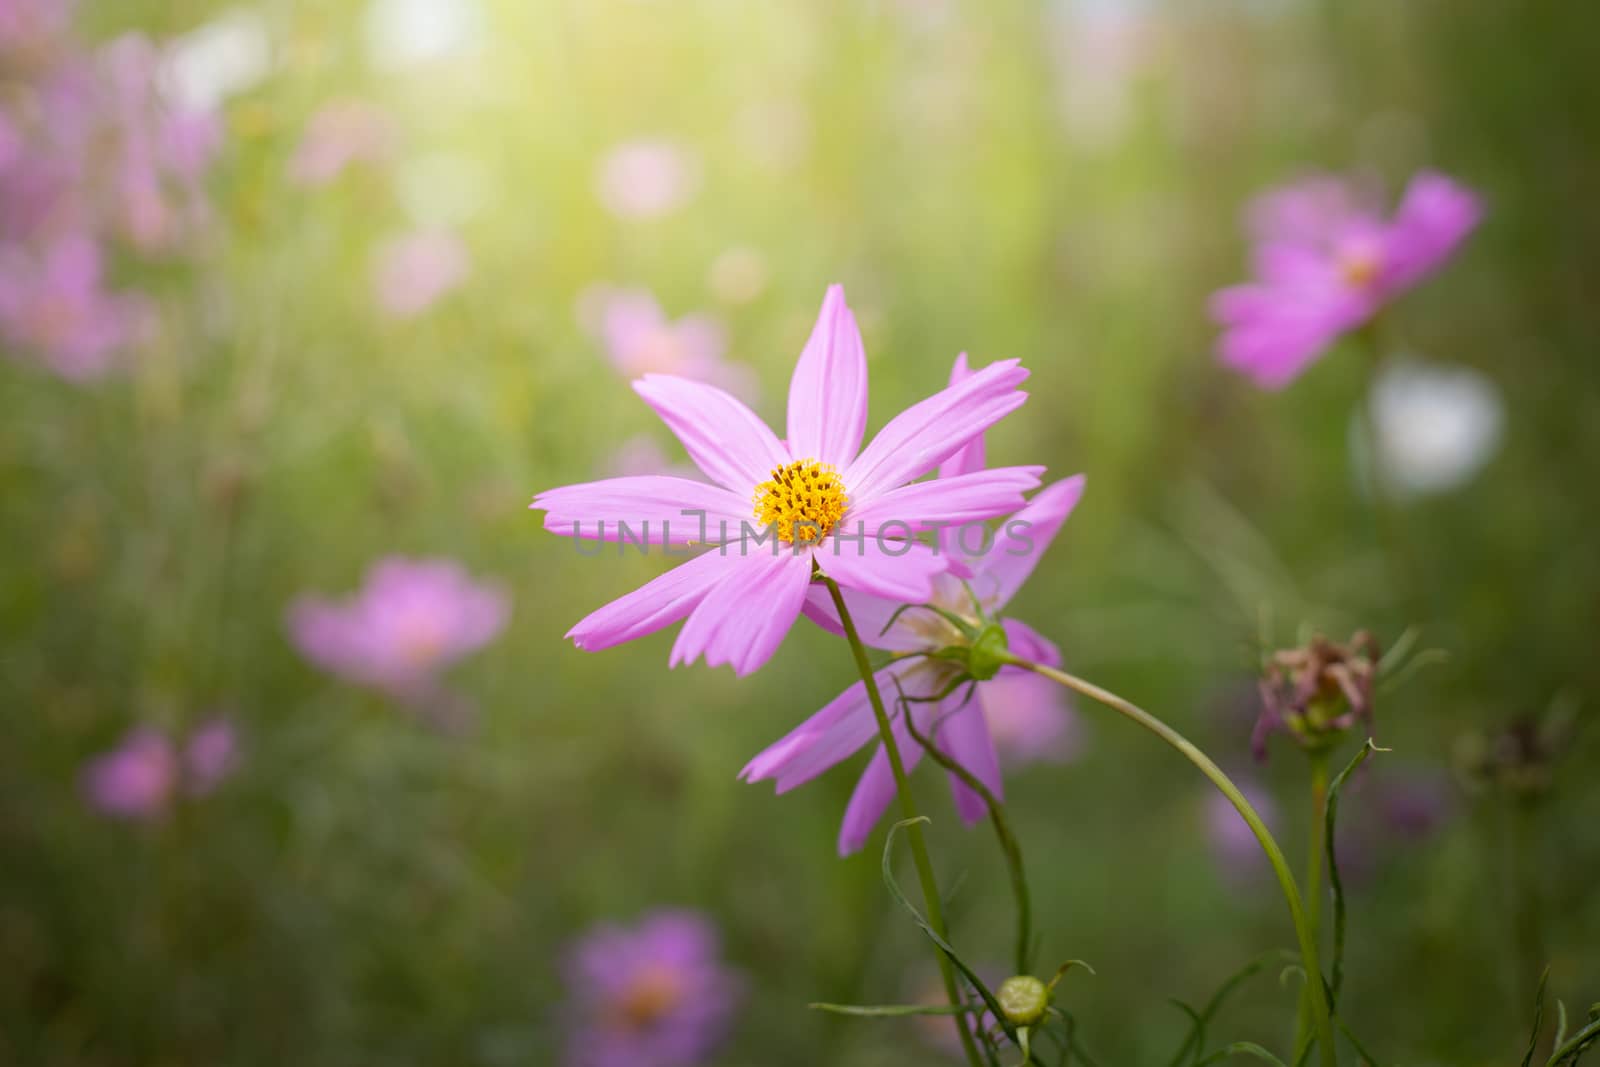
(1317, 691)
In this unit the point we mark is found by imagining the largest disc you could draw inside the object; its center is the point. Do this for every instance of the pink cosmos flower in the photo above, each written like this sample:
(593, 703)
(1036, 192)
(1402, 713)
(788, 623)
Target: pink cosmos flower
(55, 308)
(640, 339)
(140, 777)
(656, 995)
(1326, 262)
(1025, 710)
(136, 779)
(413, 272)
(211, 756)
(646, 179)
(411, 620)
(342, 134)
(777, 510)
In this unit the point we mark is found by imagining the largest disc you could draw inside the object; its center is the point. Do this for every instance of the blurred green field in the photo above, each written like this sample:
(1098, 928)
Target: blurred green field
(1058, 182)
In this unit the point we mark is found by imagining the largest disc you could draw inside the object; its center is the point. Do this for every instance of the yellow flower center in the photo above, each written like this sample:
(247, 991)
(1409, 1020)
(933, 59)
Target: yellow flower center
(803, 500)
(653, 993)
(1359, 267)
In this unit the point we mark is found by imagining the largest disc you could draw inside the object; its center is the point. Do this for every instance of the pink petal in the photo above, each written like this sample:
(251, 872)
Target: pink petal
(1030, 644)
(660, 602)
(652, 507)
(828, 392)
(724, 438)
(835, 733)
(971, 456)
(1030, 717)
(743, 620)
(871, 615)
(929, 432)
(902, 571)
(1023, 539)
(957, 500)
(874, 792)
(964, 737)
(1434, 217)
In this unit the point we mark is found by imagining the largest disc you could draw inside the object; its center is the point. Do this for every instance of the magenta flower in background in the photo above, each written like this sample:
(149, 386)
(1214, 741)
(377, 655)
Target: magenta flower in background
(642, 455)
(654, 995)
(1023, 709)
(775, 509)
(412, 272)
(342, 134)
(640, 339)
(211, 756)
(140, 777)
(1237, 852)
(646, 179)
(136, 779)
(410, 620)
(55, 308)
(1327, 261)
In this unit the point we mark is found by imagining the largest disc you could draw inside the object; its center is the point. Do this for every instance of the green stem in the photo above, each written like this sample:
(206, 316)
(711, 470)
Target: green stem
(1326, 1049)
(1002, 831)
(908, 808)
(1318, 758)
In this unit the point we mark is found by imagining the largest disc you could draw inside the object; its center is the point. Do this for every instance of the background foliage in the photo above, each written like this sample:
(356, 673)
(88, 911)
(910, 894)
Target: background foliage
(1055, 182)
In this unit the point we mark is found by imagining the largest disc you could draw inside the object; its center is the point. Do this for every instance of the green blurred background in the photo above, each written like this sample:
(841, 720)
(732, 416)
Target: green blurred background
(1056, 182)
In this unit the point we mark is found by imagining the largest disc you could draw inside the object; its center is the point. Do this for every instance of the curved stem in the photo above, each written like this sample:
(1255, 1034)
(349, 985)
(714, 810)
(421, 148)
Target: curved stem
(1316, 994)
(908, 808)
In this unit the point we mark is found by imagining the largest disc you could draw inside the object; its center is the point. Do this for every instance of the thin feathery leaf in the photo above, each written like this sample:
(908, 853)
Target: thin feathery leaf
(1335, 883)
(1538, 1018)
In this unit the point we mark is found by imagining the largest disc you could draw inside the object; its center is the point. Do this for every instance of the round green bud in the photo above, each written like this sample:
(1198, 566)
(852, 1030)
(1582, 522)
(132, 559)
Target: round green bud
(1024, 1000)
(986, 655)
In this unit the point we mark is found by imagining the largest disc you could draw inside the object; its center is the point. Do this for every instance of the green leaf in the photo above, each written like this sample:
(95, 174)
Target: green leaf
(1538, 1018)
(1334, 881)
(932, 934)
(892, 1011)
(1244, 1048)
(1196, 1039)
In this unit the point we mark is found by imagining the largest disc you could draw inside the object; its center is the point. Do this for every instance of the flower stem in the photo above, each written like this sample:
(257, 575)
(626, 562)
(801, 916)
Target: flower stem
(1318, 758)
(1007, 839)
(908, 809)
(1316, 994)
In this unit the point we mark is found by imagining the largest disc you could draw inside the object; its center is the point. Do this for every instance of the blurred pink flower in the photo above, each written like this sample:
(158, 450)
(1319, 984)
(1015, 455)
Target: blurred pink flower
(655, 995)
(967, 724)
(343, 133)
(211, 756)
(136, 779)
(640, 455)
(54, 308)
(1326, 262)
(740, 600)
(646, 179)
(141, 776)
(640, 339)
(1234, 846)
(412, 272)
(411, 620)
(31, 27)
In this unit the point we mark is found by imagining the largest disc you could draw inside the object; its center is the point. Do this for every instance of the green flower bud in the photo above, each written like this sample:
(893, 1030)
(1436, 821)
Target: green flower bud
(986, 655)
(1024, 1000)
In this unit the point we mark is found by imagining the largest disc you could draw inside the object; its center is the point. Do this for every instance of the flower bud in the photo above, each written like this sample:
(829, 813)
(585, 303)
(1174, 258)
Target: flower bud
(1316, 692)
(1023, 999)
(986, 654)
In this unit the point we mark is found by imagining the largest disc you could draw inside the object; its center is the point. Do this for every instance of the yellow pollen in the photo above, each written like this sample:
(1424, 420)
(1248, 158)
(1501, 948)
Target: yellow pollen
(1359, 269)
(652, 994)
(804, 500)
